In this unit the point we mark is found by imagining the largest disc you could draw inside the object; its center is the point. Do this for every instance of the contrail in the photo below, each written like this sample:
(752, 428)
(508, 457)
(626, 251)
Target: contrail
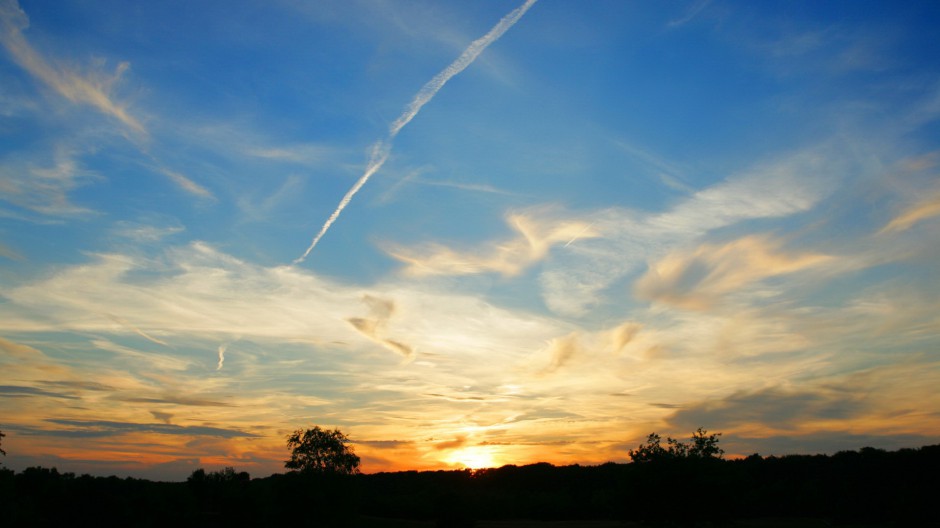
(580, 233)
(383, 148)
(136, 330)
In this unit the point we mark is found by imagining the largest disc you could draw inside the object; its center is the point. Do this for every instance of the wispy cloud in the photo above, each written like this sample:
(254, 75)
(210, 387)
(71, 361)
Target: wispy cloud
(16, 391)
(561, 350)
(691, 12)
(42, 189)
(534, 238)
(382, 149)
(222, 349)
(380, 311)
(95, 89)
(187, 184)
(668, 172)
(697, 279)
(475, 187)
(8, 253)
(304, 154)
(573, 281)
(138, 331)
(772, 407)
(197, 291)
(927, 208)
(147, 232)
(92, 428)
(178, 400)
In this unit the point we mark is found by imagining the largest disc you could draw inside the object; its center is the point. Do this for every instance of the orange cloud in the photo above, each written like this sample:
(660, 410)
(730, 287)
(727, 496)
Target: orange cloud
(922, 210)
(697, 279)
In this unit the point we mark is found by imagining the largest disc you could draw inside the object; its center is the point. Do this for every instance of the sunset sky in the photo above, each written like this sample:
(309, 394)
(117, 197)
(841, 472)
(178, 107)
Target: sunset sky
(465, 233)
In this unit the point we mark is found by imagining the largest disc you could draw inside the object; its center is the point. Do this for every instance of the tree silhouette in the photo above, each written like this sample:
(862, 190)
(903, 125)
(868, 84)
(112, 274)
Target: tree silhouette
(321, 451)
(2, 452)
(705, 445)
(702, 445)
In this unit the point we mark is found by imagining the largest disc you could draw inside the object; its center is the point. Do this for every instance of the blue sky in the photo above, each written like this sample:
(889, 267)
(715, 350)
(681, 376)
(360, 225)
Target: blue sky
(566, 225)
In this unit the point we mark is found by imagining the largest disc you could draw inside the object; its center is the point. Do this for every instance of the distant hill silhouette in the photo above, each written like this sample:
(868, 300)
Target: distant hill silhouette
(871, 486)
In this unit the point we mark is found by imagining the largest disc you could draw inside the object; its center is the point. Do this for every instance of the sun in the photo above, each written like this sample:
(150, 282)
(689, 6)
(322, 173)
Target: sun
(474, 457)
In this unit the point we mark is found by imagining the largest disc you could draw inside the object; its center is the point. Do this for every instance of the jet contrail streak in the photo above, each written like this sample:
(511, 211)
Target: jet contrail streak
(382, 149)
(380, 153)
(466, 59)
(579, 234)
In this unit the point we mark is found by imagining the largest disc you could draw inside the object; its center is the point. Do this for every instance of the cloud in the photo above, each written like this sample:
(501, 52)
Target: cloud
(473, 187)
(622, 335)
(19, 350)
(561, 350)
(196, 292)
(534, 238)
(925, 209)
(302, 154)
(94, 89)
(146, 233)
(187, 184)
(697, 279)
(44, 189)
(574, 279)
(178, 400)
(16, 391)
(138, 331)
(384, 443)
(162, 416)
(260, 209)
(8, 253)
(97, 428)
(458, 398)
(770, 190)
(222, 349)
(380, 311)
(667, 172)
(460, 441)
(775, 407)
(693, 10)
(82, 385)
(382, 149)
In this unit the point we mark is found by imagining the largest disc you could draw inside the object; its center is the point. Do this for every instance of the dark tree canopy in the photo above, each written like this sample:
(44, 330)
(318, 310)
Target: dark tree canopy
(2, 452)
(321, 451)
(701, 445)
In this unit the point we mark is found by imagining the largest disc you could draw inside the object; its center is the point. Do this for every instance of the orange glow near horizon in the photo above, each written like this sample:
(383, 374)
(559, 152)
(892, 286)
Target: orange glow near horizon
(474, 457)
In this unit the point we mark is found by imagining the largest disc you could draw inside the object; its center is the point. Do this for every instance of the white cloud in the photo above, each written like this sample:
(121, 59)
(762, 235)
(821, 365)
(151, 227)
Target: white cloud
(187, 184)
(535, 236)
(146, 233)
(574, 280)
(198, 292)
(46, 189)
(94, 89)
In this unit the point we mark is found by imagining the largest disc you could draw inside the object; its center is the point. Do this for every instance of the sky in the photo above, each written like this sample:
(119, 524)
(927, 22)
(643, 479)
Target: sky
(466, 234)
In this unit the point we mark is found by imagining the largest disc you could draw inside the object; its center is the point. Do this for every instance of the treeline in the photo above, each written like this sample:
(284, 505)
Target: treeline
(897, 488)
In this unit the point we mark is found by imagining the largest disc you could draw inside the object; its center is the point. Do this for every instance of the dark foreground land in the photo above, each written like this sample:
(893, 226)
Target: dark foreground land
(866, 488)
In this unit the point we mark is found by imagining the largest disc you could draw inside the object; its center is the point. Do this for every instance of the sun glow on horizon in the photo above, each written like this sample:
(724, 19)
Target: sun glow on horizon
(474, 457)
